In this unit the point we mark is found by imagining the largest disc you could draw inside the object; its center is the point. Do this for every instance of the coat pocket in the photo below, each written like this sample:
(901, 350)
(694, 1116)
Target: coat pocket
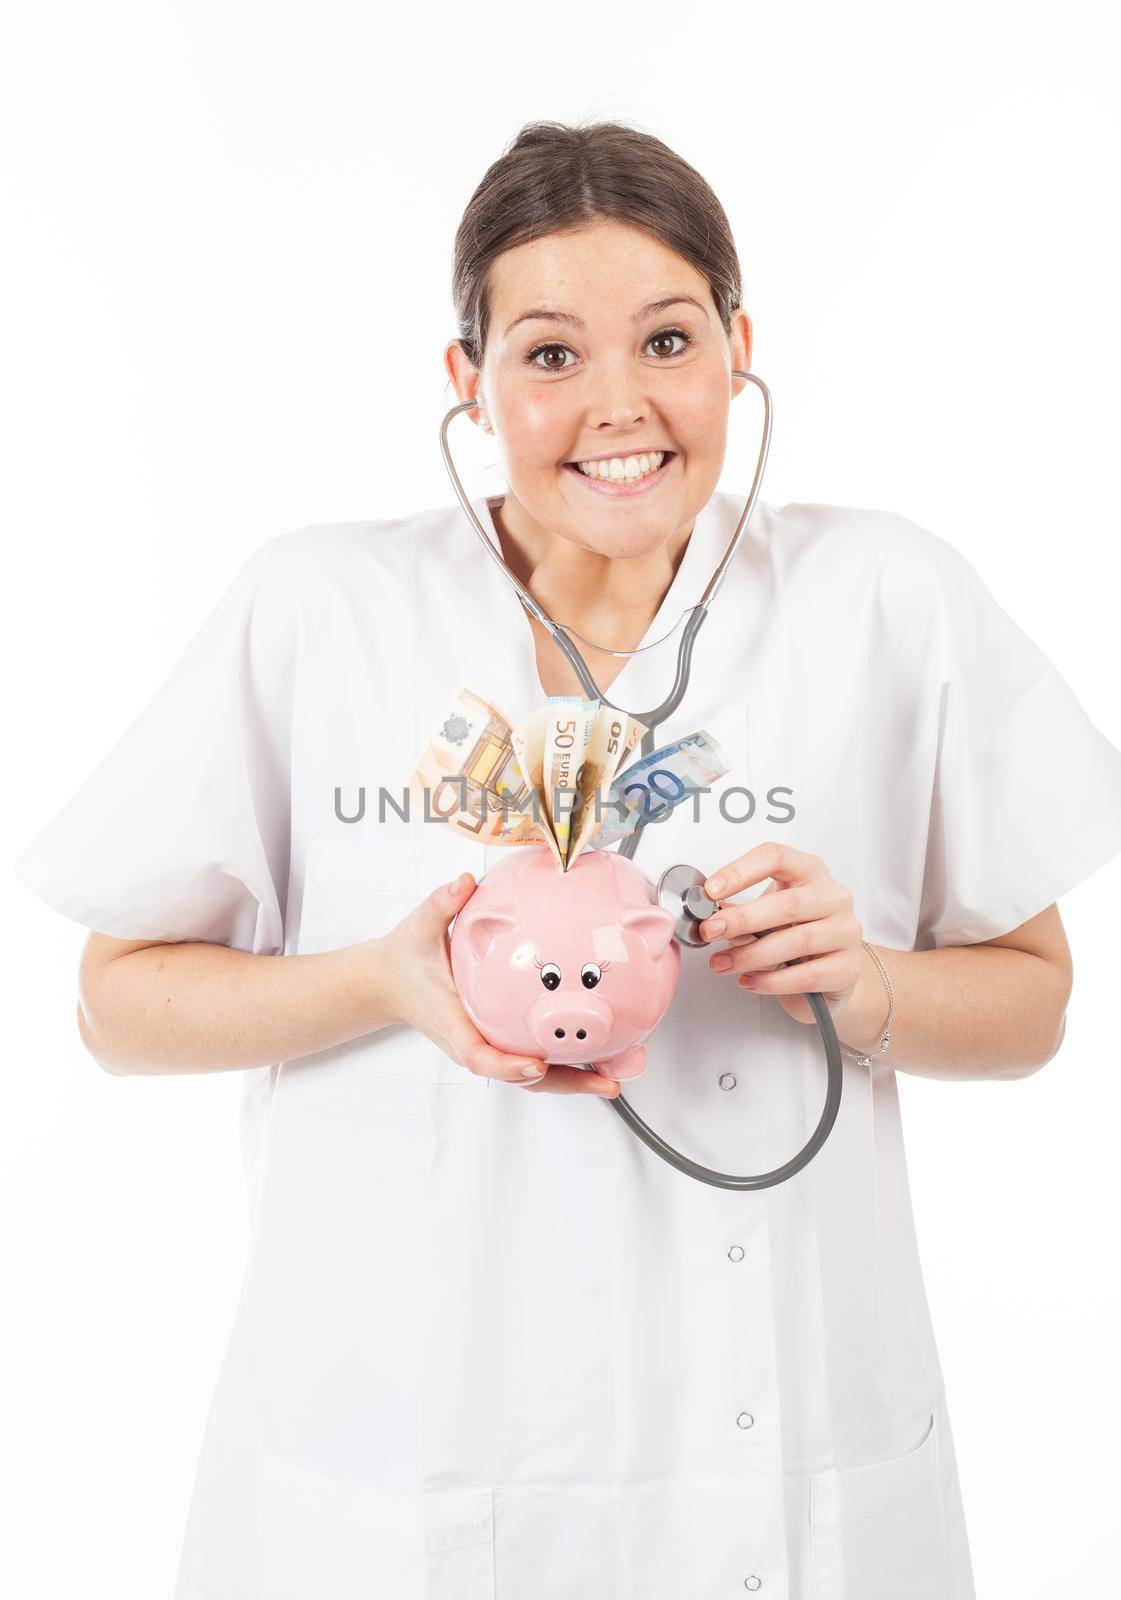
(323, 1536)
(878, 1532)
(361, 888)
(355, 889)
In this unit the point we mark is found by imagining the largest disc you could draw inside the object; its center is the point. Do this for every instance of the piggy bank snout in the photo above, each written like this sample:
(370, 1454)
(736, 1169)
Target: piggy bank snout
(570, 1024)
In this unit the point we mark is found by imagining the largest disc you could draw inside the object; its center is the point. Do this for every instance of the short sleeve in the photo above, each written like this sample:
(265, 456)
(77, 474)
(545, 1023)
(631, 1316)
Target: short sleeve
(1026, 799)
(183, 830)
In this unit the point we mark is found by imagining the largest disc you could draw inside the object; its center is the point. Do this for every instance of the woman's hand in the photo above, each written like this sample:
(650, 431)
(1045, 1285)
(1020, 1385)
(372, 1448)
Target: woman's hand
(418, 988)
(803, 917)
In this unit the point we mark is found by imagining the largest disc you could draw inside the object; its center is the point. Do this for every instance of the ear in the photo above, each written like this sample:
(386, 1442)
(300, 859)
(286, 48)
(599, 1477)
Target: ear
(484, 929)
(654, 925)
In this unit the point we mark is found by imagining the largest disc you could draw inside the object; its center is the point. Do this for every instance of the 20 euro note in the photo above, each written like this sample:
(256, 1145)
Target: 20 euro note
(654, 785)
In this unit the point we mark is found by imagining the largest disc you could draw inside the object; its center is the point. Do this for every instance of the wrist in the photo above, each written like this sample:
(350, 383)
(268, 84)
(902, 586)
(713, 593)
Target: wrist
(365, 990)
(862, 1020)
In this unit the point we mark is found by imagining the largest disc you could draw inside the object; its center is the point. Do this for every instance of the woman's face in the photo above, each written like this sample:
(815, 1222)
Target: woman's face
(604, 343)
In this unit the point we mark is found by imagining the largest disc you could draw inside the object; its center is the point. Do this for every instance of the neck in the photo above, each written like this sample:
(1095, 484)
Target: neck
(609, 599)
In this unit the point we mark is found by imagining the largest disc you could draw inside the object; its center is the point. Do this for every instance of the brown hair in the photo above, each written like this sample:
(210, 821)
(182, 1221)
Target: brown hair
(555, 176)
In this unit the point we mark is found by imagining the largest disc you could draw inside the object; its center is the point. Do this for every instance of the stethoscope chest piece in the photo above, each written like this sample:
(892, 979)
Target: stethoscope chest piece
(681, 892)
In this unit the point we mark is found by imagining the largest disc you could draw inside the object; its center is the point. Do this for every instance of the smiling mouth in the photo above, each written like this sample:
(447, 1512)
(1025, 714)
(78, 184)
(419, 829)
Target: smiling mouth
(622, 480)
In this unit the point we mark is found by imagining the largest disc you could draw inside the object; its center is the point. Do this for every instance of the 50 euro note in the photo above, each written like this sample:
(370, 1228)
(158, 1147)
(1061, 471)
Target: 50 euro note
(528, 742)
(613, 738)
(569, 750)
(567, 732)
(469, 776)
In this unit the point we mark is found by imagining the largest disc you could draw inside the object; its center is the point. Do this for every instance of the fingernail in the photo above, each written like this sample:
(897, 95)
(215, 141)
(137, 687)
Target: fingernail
(714, 887)
(458, 886)
(721, 963)
(532, 1072)
(714, 927)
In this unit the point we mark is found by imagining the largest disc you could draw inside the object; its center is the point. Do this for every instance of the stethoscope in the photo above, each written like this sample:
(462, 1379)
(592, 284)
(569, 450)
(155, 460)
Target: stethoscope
(680, 888)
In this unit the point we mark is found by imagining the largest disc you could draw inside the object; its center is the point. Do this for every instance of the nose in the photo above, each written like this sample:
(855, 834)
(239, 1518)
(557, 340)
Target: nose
(571, 1027)
(618, 402)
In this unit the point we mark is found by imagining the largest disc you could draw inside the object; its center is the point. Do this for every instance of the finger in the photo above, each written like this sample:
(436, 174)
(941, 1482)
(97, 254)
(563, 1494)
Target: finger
(474, 1053)
(824, 975)
(767, 860)
(818, 938)
(467, 1046)
(576, 1080)
(491, 1063)
(778, 906)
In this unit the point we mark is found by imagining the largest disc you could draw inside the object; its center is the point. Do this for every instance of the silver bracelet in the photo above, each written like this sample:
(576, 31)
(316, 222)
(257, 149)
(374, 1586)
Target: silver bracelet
(885, 1037)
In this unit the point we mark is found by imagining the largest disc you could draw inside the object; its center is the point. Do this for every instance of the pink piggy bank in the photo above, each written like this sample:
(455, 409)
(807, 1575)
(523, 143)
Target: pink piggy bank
(574, 967)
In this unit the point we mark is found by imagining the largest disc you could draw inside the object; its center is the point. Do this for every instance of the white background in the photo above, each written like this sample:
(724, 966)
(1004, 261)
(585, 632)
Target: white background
(225, 295)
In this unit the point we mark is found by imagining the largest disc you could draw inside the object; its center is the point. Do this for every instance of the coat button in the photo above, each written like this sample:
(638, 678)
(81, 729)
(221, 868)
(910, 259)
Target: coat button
(753, 1582)
(745, 1420)
(727, 1080)
(736, 1253)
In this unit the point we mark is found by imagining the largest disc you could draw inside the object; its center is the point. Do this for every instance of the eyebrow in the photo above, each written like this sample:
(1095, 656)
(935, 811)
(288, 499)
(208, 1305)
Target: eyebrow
(573, 321)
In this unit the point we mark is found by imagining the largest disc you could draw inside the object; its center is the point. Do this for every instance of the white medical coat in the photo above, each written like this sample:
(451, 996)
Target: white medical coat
(488, 1346)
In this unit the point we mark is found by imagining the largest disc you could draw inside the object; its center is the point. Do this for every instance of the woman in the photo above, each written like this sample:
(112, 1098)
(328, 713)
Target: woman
(487, 1344)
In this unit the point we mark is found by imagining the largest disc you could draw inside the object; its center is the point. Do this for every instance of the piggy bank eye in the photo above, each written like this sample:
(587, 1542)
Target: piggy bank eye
(550, 975)
(589, 975)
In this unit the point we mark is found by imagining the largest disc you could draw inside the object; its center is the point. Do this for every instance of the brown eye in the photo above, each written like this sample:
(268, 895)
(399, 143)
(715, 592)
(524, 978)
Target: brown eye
(589, 975)
(668, 335)
(561, 350)
(550, 975)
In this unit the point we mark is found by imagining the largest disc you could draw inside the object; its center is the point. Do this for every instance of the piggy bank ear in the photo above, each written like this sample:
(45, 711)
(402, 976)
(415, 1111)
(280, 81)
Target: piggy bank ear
(653, 924)
(484, 929)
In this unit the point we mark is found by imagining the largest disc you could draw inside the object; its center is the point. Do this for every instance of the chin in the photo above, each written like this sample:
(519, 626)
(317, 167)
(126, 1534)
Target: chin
(644, 542)
(641, 538)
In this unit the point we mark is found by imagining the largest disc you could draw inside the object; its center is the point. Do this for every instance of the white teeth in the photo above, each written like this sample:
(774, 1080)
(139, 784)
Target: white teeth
(620, 467)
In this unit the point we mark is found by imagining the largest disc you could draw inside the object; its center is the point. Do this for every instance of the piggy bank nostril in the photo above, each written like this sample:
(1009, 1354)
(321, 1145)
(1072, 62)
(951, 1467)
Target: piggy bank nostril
(558, 1033)
(581, 1033)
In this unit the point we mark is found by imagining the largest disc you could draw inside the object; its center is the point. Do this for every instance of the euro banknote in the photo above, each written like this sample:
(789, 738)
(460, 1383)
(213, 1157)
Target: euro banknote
(562, 777)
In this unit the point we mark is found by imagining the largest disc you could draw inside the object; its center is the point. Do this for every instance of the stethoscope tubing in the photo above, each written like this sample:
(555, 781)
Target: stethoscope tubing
(817, 1002)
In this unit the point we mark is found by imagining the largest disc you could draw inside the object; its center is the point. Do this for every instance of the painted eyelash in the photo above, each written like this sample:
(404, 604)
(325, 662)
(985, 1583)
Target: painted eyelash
(603, 965)
(554, 344)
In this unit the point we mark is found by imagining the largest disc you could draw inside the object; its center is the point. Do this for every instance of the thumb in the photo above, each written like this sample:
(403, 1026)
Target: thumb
(449, 899)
